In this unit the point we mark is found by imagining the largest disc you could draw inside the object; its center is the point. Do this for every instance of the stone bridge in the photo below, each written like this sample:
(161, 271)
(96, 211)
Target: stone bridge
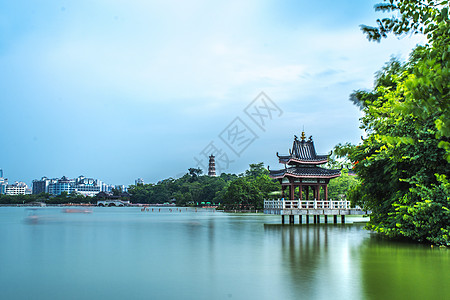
(113, 203)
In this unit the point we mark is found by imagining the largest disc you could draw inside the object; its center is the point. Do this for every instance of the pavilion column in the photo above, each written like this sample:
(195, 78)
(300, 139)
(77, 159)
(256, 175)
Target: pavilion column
(307, 192)
(291, 191)
(318, 192)
(301, 192)
(326, 192)
(283, 187)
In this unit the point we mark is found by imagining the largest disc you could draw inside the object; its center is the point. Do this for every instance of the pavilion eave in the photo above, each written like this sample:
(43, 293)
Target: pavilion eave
(306, 162)
(305, 176)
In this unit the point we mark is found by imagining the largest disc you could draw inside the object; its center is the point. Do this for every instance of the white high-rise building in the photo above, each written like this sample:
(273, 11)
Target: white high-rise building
(87, 186)
(17, 188)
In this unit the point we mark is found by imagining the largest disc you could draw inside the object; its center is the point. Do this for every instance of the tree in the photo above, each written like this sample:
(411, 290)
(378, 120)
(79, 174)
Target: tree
(403, 162)
(340, 187)
(116, 190)
(426, 88)
(250, 190)
(256, 170)
(338, 158)
(195, 173)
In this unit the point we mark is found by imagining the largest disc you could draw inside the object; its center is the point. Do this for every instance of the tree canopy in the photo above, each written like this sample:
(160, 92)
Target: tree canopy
(403, 162)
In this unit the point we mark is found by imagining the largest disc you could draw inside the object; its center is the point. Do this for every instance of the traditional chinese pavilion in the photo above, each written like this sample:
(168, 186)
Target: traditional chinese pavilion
(302, 172)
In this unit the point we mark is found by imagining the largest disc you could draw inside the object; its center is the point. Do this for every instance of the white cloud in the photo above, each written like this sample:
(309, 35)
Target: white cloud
(179, 66)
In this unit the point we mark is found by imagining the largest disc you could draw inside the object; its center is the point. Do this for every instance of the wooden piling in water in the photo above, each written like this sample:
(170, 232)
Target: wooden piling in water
(300, 219)
(335, 219)
(343, 219)
(291, 219)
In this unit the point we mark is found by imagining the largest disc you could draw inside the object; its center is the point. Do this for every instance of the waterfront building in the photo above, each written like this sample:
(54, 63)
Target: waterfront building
(3, 184)
(302, 172)
(212, 166)
(41, 186)
(61, 185)
(87, 186)
(17, 188)
(81, 185)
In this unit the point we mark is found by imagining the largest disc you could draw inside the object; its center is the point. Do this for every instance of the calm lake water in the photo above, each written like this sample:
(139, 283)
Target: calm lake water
(123, 253)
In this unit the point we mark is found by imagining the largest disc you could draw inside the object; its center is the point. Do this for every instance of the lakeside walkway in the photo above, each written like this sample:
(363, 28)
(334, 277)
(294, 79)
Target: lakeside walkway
(315, 208)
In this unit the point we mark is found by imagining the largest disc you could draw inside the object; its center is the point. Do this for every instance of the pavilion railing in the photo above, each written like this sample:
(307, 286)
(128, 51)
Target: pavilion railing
(306, 204)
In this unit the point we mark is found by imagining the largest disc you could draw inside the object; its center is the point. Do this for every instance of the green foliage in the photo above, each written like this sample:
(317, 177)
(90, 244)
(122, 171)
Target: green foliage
(423, 214)
(425, 83)
(339, 157)
(249, 192)
(410, 16)
(190, 189)
(403, 161)
(340, 187)
(246, 191)
(116, 191)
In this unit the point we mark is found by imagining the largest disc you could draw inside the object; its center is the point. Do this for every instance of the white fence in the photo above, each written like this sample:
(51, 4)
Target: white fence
(306, 204)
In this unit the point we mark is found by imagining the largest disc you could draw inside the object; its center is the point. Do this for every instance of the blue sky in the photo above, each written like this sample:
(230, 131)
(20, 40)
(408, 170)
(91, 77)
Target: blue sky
(118, 90)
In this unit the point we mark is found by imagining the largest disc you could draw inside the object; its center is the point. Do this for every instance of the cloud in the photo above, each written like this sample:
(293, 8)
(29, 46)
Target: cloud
(150, 71)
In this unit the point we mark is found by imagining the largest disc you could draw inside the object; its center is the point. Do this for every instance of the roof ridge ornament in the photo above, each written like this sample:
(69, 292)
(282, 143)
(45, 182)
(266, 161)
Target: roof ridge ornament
(303, 136)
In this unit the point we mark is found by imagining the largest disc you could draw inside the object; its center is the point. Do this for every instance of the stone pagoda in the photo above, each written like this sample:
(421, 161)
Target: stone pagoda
(212, 166)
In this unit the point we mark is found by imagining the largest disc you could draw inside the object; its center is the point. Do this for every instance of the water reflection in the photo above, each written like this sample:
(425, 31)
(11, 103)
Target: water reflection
(348, 262)
(317, 259)
(396, 270)
(123, 253)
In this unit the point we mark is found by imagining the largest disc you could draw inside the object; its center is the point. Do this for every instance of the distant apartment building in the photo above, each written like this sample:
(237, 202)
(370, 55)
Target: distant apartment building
(59, 186)
(42, 185)
(139, 181)
(3, 184)
(107, 188)
(87, 186)
(17, 188)
(80, 185)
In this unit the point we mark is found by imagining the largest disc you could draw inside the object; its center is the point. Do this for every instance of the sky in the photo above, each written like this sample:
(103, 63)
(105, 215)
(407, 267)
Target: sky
(119, 90)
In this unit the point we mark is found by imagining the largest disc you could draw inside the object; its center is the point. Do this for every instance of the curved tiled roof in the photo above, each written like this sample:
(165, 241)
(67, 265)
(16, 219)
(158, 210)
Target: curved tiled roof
(303, 152)
(306, 172)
